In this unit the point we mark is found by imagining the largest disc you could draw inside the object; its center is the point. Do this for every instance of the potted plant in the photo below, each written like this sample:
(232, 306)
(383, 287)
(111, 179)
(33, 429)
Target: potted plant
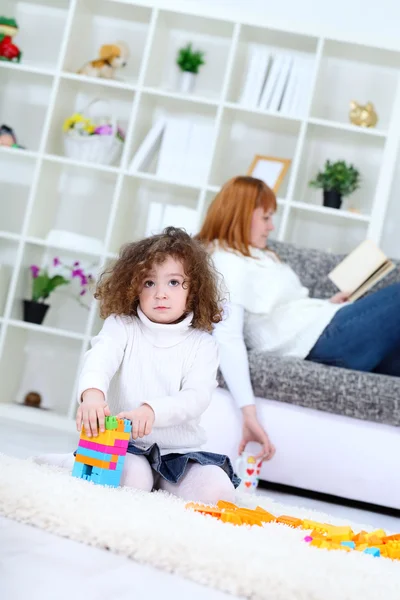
(337, 180)
(189, 62)
(44, 283)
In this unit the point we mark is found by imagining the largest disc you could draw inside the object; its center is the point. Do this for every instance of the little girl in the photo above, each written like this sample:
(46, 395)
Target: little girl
(155, 363)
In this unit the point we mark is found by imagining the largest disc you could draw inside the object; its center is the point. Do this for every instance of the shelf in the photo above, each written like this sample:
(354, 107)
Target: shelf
(63, 160)
(65, 312)
(8, 256)
(324, 230)
(16, 176)
(266, 45)
(17, 152)
(363, 151)
(336, 213)
(184, 153)
(134, 205)
(355, 72)
(178, 96)
(24, 68)
(111, 83)
(72, 198)
(42, 243)
(348, 127)
(162, 180)
(31, 415)
(256, 111)
(41, 29)
(32, 352)
(75, 95)
(47, 330)
(100, 22)
(174, 31)
(24, 100)
(243, 135)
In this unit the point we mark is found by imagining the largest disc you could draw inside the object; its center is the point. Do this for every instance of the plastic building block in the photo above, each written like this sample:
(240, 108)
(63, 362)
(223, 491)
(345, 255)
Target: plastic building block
(372, 551)
(101, 459)
(323, 535)
(351, 545)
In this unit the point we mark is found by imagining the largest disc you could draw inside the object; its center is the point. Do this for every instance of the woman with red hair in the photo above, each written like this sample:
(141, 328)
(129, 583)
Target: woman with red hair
(269, 308)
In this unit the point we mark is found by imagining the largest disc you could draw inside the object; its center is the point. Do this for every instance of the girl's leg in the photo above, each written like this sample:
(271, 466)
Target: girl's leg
(390, 365)
(202, 483)
(137, 473)
(362, 334)
(65, 461)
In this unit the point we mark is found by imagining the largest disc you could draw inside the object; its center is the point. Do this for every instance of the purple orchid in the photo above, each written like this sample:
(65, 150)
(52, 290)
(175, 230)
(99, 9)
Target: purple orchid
(82, 293)
(56, 261)
(35, 271)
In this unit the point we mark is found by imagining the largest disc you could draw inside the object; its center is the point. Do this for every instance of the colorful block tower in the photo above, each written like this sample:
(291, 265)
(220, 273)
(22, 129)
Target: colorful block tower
(101, 459)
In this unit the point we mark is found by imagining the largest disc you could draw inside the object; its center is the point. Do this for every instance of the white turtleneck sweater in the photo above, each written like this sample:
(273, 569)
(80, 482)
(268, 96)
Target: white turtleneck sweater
(134, 361)
(268, 309)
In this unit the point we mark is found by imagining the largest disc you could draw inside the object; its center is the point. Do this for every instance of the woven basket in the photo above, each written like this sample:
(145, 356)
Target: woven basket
(101, 149)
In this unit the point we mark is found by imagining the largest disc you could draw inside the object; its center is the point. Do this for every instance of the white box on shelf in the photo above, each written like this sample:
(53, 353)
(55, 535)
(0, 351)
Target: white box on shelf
(257, 71)
(271, 81)
(154, 218)
(277, 96)
(178, 215)
(198, 153)
(173, 148)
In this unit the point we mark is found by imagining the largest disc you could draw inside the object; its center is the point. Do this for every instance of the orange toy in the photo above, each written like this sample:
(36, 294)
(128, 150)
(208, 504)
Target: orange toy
(323, 535)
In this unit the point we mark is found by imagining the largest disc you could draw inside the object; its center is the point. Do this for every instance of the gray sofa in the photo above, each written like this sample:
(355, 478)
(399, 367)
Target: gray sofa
(366, 396)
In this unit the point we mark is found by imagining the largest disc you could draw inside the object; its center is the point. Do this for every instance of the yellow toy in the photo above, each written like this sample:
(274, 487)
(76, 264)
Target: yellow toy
(363, 115)
(323, 535)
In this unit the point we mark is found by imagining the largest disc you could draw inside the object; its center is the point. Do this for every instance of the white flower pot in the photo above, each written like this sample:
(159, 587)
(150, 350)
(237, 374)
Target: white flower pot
(187, 82)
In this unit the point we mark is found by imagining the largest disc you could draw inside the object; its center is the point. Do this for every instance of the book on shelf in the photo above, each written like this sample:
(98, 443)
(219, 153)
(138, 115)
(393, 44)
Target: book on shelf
(297, 91)
(148, 148)
(256, 73)
(361, 270)
(276, 82)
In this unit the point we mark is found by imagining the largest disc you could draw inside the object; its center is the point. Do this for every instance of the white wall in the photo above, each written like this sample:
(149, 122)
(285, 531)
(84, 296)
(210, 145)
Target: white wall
(362, 20)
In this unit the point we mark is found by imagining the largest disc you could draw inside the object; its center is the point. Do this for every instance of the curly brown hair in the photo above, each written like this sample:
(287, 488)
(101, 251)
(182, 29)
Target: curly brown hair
(119, 286)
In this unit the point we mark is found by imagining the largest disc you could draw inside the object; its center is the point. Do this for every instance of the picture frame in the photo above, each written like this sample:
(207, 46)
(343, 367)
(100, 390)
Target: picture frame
(269, 169)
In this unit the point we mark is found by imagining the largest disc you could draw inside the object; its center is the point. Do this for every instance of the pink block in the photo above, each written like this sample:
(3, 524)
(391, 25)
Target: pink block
(121, 443)
(103, 448)
(113, 466)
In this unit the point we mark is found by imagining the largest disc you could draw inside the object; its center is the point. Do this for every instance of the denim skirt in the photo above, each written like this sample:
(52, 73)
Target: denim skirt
(172, 467)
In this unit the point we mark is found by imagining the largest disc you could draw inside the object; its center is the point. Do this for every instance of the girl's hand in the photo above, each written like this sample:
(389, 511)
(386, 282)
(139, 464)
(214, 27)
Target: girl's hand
(142, 420)
(253, 431)
(339, 298)
(92, 412)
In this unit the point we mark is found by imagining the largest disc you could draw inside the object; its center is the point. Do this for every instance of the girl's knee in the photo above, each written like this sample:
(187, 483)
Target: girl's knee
(137, 473)
(214, 485)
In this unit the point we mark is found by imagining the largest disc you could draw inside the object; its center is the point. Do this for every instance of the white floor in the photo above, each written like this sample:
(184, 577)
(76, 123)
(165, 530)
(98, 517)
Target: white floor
(40, 566)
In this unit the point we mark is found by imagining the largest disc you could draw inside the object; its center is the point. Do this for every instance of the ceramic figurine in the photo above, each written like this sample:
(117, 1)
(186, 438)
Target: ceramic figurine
(363, 116)
(112, 58)
(9, 51)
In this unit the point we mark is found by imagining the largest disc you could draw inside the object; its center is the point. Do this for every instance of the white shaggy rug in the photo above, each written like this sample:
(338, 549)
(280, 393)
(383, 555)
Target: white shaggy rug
(267, 563)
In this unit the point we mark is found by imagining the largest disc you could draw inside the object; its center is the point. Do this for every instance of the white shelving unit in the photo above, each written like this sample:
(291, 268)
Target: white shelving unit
(41, 189)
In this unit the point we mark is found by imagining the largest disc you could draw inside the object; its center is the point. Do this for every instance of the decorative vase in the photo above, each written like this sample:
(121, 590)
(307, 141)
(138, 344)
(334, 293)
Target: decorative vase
(34, 312)
(332, 199)
(187, 82)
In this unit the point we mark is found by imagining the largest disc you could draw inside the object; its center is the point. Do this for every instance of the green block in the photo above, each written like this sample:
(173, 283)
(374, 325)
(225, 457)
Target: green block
(111, 423)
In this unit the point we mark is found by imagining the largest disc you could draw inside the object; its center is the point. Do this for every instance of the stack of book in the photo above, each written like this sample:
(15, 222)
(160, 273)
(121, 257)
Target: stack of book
(180, 148)
(277, 81)
(164, 215)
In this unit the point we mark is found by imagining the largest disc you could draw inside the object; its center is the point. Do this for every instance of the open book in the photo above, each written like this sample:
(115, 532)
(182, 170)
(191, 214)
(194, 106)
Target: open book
(361, 270)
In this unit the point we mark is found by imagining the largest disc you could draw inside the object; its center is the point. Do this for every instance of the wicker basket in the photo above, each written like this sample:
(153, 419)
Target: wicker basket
(101, 149)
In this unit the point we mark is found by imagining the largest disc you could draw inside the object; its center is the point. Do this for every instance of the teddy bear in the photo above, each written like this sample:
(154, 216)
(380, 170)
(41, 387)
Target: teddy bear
(112, 57)
(363, 116)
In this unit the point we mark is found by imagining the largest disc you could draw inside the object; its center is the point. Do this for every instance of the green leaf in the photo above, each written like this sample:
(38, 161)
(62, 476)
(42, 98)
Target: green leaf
(55, 282)
(39, 287)
(190, 60)
(339, 176)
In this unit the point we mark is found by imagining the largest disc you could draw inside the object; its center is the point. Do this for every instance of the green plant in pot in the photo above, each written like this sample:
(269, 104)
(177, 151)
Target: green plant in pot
(337, 180)
(45, 283)
(189, 61)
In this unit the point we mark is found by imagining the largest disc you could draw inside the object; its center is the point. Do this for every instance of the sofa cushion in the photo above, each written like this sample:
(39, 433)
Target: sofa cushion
(366, 396)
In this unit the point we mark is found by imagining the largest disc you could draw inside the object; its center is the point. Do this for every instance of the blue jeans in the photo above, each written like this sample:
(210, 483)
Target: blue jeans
(365, 335)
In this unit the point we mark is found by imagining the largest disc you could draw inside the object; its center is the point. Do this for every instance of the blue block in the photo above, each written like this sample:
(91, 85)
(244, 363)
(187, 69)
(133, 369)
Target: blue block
(372, 551)
(105, 477)
(127, 426)
(78, 470)
(120, 463)
(93, 454)
(349, 544)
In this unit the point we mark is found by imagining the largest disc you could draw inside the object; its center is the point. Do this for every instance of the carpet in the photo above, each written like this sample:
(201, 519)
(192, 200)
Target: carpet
(262, 563)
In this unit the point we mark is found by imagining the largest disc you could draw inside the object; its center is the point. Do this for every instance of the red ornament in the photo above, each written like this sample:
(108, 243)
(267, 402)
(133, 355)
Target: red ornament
(8, 50)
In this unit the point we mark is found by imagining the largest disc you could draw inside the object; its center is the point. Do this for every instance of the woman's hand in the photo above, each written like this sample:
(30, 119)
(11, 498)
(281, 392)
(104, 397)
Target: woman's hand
(92, 412)
(340, 298)
(142, 420)
(253, 431)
